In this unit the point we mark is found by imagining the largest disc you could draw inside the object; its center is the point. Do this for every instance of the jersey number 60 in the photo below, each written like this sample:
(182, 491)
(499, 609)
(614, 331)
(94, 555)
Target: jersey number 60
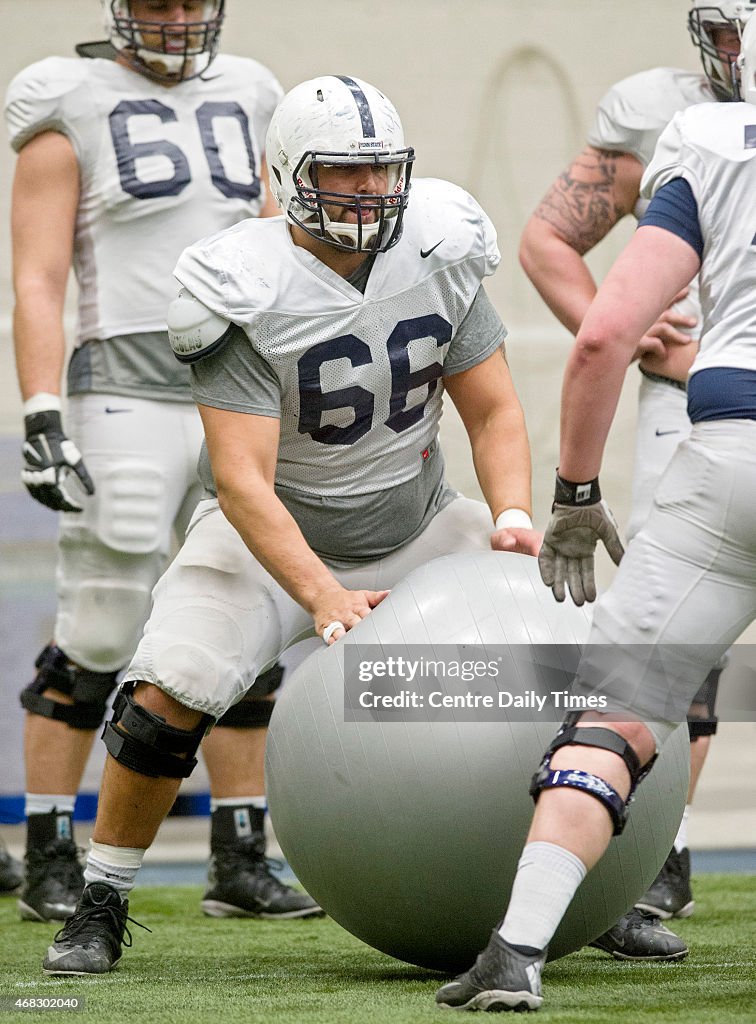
(128, 152)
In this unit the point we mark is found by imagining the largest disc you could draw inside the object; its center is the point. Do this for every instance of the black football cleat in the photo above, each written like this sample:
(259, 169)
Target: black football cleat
(501, 978)
(640, 935)
(670, 894)
(90, 941)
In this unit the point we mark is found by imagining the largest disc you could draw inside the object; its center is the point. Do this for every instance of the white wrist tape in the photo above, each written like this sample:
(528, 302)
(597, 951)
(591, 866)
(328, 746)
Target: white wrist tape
(43, 401)
(514, 519)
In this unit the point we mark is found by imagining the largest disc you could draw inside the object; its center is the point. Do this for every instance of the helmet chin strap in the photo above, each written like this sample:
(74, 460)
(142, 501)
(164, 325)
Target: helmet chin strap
(186, 50)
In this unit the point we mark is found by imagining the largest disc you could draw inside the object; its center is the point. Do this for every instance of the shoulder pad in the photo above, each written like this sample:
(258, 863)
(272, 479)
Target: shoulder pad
(443, 211)
(194, 331)
(35, 98)
(632, 114)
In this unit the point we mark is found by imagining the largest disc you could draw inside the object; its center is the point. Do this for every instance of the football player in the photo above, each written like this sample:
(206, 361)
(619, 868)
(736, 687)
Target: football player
(122, 162)
(598, 189)
(320, 344)
(684, 590)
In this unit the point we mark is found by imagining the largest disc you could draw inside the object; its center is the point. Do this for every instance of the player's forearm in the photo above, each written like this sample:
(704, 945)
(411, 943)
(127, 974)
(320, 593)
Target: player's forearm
(501, 456)
(39, 339)
(590, 393)
(272, 535)
(558, 272)
(647, 275)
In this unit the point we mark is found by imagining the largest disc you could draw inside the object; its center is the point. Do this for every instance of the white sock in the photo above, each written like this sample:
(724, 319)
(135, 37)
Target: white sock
(547, 878)
(261, 802)
(681, 839)
(46, 803)
(116, 865)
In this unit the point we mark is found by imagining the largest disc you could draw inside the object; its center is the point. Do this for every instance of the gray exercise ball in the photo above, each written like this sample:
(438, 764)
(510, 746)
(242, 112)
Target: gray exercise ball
(407, 826)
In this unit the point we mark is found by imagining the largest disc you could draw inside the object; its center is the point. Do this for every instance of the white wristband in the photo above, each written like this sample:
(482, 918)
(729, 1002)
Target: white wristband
(43, 401)
(514, 519)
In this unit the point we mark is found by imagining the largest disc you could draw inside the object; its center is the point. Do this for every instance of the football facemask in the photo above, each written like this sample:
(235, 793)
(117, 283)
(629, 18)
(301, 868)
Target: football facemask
(366, 221)
(163, 49)
(720, 65)
(339, 122)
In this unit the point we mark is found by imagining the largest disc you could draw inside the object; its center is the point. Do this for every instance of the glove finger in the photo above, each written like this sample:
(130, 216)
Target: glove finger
(86, 480)
(48, 496)
(560, 574)
(575, 580)
(609, 534)
(40, 494)
(69, 500)
(61, 501)
(546, 564)
(613, 545)
(47, 477)
(589, 580)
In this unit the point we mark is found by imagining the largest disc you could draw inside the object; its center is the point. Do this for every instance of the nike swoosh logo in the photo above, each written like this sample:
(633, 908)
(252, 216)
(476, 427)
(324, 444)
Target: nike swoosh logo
(109, 410)
(663, 433)
(425, 253)
(54, 954)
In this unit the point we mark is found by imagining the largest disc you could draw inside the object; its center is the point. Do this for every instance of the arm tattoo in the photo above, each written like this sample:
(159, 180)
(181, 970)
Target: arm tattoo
(581, 205)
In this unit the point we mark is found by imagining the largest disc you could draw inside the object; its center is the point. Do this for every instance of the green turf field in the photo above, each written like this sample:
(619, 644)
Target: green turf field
(194, 969)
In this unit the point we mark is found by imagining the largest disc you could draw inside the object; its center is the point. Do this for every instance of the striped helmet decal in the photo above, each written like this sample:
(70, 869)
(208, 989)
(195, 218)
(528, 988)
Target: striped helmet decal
(366, 115)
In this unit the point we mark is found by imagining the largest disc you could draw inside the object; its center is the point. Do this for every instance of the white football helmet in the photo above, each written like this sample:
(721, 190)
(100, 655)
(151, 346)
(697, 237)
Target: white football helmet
(336, 120)
(163, 50)
(719, 66)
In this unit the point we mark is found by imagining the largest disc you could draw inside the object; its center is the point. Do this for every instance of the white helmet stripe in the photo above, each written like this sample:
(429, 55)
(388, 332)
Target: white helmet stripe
(366, 114)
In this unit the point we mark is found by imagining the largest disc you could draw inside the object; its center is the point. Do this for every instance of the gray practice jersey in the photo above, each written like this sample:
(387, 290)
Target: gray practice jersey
(159, 167)
(630, 118)
(712, 146)
(355, 378)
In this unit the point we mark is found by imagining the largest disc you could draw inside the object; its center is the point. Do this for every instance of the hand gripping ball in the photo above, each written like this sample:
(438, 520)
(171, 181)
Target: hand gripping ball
(407, 826)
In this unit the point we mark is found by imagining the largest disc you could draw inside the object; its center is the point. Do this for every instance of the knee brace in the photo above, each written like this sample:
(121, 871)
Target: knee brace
(145, 743)
(554, 778)
(88, 690)
(706, 724)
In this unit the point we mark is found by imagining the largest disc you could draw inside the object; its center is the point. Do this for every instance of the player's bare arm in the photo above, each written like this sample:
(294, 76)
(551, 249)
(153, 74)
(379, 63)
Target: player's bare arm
(579, 209)
(594, 193)
(586, 201)
(490, 410)
(655, 266)
(243, 450)
(45, 199)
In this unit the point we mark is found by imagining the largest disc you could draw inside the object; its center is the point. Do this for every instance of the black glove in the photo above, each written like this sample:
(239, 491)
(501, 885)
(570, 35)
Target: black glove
(579, 518)
(50, 459)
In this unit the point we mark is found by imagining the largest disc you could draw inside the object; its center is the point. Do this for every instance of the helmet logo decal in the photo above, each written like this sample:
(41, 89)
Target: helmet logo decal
(366, 114)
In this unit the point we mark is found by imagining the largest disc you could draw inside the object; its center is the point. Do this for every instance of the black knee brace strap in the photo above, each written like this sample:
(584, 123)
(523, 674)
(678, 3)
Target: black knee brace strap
(88, 690)
(606, 739)
(143, 742)
(705, 725)
(247, 714)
